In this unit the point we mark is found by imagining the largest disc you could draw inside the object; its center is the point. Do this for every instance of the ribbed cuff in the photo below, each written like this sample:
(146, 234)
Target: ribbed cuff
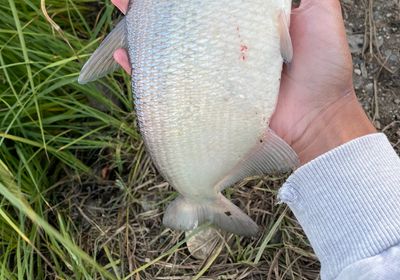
(348, 202)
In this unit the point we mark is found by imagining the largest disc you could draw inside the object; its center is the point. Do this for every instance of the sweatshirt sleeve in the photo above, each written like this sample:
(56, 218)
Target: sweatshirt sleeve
(348, 203)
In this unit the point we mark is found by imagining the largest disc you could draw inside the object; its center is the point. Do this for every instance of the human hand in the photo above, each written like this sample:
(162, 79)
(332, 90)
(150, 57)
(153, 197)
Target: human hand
(317, 109)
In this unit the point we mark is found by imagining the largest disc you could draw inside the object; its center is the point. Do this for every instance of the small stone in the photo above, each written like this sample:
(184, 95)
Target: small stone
(202, 244)
(388, 52)
(377, 124)
(369, 87)
(358, 82)
(397, 101)
(356, 42)
(364, 70)
(357, 71)
(380, 40)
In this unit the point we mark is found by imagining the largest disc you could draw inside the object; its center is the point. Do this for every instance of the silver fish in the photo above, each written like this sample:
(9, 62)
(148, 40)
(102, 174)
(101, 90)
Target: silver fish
(206, 76)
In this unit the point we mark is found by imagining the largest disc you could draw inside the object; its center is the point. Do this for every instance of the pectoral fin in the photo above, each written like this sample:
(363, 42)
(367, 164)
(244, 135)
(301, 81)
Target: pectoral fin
(102, 61)
(285, 40)
(270, 156)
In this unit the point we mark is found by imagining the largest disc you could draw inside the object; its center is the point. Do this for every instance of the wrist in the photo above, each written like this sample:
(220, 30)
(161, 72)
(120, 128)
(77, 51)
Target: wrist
(339, 123)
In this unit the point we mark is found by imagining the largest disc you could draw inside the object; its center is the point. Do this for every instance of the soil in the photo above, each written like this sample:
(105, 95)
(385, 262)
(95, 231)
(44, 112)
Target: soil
(373, 28)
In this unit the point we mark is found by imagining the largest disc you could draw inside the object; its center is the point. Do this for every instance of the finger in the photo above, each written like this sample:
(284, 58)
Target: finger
(122, 5)
(121, 57)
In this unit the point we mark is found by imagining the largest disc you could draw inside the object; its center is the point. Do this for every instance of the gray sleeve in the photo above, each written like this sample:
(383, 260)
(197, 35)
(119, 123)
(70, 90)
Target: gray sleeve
(384, 266)
(348, 203)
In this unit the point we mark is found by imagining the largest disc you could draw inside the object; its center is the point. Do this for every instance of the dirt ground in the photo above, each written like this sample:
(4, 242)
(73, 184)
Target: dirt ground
(127, 216)
(373, 28)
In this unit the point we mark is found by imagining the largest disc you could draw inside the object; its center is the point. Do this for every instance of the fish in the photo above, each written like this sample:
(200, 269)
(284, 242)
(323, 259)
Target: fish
(206, 77)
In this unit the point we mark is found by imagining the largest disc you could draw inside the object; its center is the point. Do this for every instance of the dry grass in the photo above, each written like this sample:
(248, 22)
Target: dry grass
(126, 220)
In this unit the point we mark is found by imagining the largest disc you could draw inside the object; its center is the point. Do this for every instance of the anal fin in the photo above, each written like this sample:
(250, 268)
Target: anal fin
(270, 156)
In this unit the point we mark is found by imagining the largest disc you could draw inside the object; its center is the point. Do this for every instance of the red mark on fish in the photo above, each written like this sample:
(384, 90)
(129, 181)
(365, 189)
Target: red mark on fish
(243, 47)
(243, 51)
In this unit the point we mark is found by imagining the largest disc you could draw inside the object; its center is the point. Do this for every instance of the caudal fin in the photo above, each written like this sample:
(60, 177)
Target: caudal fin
(183, 214)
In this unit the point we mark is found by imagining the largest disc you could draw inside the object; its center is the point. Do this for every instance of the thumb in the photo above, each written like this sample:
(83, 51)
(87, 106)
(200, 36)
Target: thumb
(122, 5)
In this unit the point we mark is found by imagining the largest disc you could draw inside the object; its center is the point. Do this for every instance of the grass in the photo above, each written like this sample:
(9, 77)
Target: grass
(79, 197)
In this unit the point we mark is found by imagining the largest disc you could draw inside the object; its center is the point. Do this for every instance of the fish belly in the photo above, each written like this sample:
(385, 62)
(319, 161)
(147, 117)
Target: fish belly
(206, 77)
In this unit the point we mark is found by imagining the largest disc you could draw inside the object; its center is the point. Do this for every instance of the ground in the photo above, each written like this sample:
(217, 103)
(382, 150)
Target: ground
(129, 219)
(373, 29)
(74, 171)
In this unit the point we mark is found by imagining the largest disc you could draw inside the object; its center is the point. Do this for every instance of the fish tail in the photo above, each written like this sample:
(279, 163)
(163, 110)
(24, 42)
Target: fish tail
(186, 214)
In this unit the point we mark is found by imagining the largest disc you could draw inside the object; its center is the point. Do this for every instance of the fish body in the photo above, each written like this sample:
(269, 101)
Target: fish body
(206, 77)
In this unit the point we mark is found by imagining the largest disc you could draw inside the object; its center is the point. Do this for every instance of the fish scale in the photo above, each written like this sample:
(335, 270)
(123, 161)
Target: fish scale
(206, 76)
(180, 91)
